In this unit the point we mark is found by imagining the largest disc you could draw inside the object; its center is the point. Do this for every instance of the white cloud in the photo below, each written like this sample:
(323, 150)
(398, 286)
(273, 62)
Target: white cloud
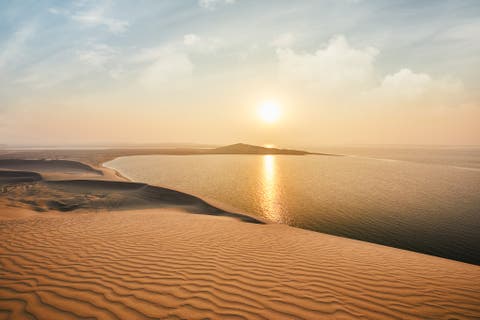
(283, 41)
(467, 31)
(201, 45)
(42, 76)
(149, 54)
(340, 72)
(406, 82)
(248, 52)
(406, 87)
(13, 48)
(191, 39)
(191, 43)
(117, 72)
(56, 11)
(337, 66)
(98, 55)
(94, 17)
(170, 68)
(212, 4)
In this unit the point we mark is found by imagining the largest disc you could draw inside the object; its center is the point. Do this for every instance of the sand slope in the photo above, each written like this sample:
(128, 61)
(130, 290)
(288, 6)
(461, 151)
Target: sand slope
(27, 190)
(48, 165)
(55, 169)
(167, 264)
(14, 177)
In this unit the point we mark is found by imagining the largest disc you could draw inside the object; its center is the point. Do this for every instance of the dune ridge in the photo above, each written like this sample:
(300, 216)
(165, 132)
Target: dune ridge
(11, 176)
(28, 190)
(48, 165)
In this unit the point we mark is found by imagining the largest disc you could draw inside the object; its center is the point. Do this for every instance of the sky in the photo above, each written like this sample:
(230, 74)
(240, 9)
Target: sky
(197, 71)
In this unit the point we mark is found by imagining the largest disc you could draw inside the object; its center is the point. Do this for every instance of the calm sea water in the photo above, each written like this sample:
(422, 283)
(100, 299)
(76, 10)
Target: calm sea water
(425, 200)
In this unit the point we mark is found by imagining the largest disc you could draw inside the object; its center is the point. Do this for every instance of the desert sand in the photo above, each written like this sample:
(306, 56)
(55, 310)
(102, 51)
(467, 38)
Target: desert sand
(77, 242)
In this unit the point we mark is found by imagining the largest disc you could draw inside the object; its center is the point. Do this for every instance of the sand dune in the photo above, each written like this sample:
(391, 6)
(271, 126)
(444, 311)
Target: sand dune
(86, 249)
(94, 195)
(54, 169)
(167, 264)
(48, 165)
(8, 177)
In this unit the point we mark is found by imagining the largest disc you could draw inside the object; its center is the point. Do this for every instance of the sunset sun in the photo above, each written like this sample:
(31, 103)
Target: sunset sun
(269, 111)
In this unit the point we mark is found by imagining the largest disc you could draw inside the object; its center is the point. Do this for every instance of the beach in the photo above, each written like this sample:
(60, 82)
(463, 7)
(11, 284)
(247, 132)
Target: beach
(81, 242)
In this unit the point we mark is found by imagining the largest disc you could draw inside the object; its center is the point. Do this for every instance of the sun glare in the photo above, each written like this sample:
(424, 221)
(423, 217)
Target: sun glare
(269, 111)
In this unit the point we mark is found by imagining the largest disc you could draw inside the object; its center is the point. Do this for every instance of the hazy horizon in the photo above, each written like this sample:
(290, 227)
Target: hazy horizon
(347, 72)
(167, 145)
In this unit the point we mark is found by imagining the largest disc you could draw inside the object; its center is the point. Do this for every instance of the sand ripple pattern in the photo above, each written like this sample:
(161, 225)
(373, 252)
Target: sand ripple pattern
(165, 264)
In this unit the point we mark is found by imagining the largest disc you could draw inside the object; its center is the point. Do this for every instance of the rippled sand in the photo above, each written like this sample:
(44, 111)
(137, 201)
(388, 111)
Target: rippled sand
(169, 264)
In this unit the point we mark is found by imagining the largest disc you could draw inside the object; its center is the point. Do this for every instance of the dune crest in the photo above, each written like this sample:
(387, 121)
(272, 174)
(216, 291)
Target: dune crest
(48, 165)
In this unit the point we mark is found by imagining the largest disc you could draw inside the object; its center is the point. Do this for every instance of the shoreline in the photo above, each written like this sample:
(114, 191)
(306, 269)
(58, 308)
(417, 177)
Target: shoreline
(72, 185)
(212, 202)
(117, 173)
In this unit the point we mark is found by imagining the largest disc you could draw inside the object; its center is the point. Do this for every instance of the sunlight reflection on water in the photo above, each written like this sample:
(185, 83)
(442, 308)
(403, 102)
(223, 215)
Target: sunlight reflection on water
(270, 203)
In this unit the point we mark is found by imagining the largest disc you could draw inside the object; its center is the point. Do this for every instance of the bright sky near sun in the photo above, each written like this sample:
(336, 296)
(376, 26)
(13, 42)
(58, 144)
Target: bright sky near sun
(292, 73)
(269, 111)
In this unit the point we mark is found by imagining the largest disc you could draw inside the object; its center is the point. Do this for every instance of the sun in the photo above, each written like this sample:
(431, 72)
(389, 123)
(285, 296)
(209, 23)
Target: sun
(269, 111)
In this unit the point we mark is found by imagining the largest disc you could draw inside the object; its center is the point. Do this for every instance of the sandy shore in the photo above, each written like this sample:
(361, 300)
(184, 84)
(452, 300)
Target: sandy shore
(73, 246)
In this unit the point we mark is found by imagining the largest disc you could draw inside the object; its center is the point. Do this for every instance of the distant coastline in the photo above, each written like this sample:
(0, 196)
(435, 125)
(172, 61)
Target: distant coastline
(96, 157)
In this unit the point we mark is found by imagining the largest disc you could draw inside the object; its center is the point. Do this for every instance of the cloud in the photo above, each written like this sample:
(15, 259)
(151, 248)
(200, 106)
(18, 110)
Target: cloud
(149, 54)
(170, 68)
(467, 31)
(42, 76)
(57, 11)
(337, 66)
(212, 4)
(406, 82)
(191, 39)
(406, 87)
(98, 55)
(248, 52)
(102, 57)
(344, 74)
(94, 17)
(13, 48)
(198, 44)
(284, 40)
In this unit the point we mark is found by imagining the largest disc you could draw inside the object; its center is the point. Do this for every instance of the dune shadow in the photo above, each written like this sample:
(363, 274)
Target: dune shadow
(116, 195)
(44, 165)
(9, 177)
